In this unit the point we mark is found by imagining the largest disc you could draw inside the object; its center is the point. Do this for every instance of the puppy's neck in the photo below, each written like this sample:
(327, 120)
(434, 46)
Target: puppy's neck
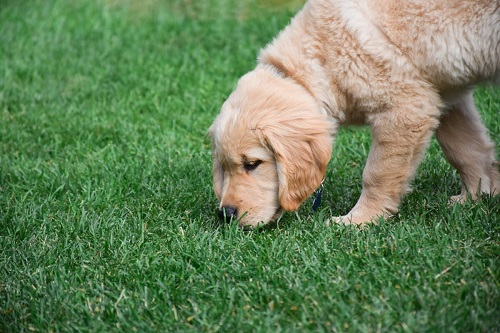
(288, 56)
(275, 70)
(313, 81)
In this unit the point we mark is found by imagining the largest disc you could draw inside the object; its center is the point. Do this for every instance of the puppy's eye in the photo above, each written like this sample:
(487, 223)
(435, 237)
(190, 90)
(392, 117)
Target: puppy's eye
(251, 165)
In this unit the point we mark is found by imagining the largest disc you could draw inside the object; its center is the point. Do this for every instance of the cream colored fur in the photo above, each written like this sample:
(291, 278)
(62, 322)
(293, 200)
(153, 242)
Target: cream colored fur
(405, 68)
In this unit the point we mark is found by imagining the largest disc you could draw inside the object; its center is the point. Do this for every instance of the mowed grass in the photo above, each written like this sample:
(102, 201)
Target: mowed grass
(107, 215)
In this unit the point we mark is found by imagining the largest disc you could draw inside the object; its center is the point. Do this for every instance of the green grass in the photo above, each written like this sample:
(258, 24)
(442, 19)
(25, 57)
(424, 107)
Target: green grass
(107, 215)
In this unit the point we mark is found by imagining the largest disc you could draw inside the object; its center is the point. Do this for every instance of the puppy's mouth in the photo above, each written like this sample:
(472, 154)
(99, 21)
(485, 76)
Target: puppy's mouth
(271, 221)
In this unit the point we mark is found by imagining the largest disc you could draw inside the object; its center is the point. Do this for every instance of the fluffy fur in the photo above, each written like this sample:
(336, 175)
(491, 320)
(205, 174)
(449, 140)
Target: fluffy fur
(405, 68)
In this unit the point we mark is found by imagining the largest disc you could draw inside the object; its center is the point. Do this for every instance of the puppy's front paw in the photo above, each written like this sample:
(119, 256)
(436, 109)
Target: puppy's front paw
(349, 220)
(457, 199)
(358, 218)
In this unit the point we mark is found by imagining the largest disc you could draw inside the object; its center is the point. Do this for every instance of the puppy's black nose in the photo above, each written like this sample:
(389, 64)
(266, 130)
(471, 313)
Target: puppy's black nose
(227, 213)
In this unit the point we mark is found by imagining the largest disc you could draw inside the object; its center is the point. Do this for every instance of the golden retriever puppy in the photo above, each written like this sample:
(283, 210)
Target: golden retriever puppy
(406, 68)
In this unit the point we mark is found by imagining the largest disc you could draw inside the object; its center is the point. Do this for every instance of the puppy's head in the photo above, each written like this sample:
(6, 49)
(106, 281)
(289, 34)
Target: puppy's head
(271, 146)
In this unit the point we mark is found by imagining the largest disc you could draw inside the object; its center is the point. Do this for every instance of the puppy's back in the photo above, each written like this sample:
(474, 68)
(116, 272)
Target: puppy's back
(450, 41)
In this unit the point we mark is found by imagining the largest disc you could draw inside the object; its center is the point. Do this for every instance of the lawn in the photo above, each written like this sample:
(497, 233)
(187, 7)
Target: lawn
(107, 214)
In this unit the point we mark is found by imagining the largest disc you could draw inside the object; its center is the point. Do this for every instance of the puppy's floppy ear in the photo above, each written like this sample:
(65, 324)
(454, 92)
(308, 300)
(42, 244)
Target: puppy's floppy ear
(302, 147)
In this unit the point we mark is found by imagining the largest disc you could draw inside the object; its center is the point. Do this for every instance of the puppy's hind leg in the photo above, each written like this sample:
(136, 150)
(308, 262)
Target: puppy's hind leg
(466, 144)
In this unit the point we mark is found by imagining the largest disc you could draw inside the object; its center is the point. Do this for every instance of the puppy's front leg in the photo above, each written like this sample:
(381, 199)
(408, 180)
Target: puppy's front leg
(399, 140)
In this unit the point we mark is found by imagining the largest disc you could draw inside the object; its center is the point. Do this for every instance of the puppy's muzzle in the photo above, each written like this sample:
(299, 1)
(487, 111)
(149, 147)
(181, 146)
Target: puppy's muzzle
(228, 213)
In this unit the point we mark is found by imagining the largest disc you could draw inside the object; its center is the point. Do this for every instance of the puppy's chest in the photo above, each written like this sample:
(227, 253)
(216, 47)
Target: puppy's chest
(359, 97)
(357, 113)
